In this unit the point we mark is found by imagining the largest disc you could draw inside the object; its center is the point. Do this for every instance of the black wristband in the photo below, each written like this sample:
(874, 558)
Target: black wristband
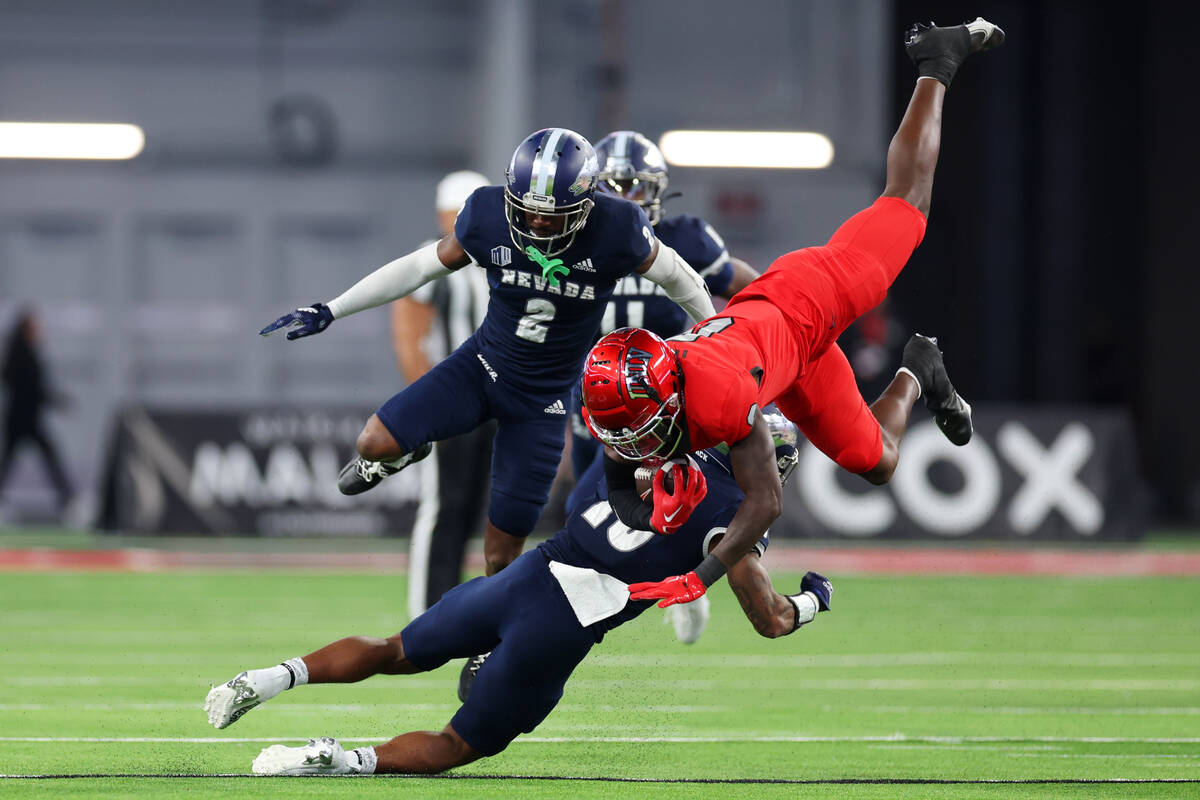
(623, 495)
(710, 570)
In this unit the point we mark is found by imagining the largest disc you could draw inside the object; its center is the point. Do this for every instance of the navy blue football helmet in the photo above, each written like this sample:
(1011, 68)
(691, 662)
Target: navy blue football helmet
(633, 167)
(548, 190)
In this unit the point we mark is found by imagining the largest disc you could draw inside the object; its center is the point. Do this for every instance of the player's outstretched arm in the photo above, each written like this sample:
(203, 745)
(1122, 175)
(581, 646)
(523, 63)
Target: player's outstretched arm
(774, 614)
(743, 274)
(754, 468)
(395, 279)
(681, 283)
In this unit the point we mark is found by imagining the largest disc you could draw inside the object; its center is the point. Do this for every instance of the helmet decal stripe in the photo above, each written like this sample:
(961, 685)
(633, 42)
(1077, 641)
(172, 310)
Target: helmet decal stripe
(546, 164)
(621, 145)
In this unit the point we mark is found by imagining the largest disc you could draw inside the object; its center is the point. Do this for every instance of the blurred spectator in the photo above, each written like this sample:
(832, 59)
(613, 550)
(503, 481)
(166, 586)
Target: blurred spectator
(27, 394)
(427, 326)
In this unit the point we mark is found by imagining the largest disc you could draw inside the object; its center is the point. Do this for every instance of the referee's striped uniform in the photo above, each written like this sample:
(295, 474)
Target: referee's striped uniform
(455, 478)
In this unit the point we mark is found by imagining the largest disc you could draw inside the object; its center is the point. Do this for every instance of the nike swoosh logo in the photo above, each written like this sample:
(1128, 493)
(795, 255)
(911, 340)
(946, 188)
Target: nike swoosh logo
(669, 517)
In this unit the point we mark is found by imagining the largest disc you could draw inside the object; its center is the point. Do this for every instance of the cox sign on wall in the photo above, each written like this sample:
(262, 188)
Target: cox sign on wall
(1028, 472)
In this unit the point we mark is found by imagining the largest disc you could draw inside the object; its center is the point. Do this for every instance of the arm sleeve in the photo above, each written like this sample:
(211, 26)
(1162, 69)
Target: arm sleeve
(681, 283)
(392, 281)
(623, 495)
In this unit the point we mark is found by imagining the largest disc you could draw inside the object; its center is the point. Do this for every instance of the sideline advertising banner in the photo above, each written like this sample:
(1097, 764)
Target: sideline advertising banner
(255, 471)
(1029, 472)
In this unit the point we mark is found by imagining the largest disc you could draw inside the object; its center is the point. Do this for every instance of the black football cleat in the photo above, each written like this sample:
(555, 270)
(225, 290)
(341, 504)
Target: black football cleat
(923, 360)
(360, 475)
(938, 52)
(466, 678)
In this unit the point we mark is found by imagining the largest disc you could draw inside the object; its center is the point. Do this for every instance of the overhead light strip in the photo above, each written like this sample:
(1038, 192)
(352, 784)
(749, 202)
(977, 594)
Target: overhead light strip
(71, 140)
(747, 149)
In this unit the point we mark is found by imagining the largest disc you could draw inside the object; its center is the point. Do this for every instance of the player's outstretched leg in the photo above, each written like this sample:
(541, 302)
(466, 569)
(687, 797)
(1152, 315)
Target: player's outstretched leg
(913, 152)
(922, 360)
(225, 704)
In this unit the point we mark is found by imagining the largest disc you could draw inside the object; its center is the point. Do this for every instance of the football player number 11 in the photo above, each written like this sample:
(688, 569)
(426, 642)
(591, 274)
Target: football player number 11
(531, 327)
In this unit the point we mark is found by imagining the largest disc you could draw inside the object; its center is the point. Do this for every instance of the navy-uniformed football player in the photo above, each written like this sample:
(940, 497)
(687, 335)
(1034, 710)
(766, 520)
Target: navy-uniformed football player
(540, 617)
(553, 249)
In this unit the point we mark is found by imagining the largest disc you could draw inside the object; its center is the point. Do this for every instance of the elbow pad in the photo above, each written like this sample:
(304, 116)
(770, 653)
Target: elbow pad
(392, 281)
(681, 282)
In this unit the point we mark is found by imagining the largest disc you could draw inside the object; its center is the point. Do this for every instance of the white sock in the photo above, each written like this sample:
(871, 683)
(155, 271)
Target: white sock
(366, 759)
(910, 374)
(273, 680)
(299, 670)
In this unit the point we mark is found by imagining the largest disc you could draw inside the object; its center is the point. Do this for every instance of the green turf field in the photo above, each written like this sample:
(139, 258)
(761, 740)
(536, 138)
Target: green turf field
(908, 679)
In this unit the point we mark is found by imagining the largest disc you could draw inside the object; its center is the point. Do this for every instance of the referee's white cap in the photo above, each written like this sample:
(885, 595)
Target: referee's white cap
(454, 189)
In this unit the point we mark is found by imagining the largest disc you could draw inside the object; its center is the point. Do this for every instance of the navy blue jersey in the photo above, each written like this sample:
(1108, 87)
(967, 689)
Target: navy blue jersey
(639, 303)
(540, 320)
(594, 538)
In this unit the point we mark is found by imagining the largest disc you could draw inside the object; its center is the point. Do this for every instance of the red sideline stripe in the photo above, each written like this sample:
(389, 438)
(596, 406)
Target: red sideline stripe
(874, 560)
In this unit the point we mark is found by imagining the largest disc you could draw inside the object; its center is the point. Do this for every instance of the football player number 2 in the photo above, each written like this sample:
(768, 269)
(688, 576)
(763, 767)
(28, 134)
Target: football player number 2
(531, 327)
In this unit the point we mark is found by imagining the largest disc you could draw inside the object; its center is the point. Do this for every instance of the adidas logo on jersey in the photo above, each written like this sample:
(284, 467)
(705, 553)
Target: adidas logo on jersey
(584, 266)
(556, 407)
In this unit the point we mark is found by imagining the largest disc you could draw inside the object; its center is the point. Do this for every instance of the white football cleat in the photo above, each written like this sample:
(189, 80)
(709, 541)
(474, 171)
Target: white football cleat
(324, 756)
(227, 703)
(689, 619)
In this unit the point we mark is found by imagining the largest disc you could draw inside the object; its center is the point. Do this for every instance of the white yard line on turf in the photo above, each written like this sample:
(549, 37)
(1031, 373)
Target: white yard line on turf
(1139, 711)
(686, 684)
(952, 740)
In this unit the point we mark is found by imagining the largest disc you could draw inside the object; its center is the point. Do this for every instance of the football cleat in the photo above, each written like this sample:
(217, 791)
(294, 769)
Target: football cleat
(466, 678)
(225, 704)
(923, 361)
(360, 475)
(324, 756)
(938, 52)
(820, 587)
(689, 619)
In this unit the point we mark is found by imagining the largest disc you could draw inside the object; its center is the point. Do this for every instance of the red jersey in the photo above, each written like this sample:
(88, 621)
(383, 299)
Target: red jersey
(732, 365)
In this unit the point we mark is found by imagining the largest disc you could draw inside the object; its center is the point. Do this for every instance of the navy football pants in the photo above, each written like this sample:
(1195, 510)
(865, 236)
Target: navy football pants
(522, 616)
(458, 395)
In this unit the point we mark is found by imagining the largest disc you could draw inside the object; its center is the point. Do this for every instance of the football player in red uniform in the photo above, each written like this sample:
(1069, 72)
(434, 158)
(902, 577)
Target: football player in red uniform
(651, 400)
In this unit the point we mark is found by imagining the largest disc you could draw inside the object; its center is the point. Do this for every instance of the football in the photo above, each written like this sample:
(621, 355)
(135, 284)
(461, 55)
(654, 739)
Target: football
(644, 478)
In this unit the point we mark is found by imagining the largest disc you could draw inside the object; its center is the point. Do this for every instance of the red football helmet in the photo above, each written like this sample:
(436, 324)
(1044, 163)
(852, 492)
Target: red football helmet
(632, 394)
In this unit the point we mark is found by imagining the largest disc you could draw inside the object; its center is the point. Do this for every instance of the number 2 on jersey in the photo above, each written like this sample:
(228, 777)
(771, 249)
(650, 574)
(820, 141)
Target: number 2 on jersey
(530, 327)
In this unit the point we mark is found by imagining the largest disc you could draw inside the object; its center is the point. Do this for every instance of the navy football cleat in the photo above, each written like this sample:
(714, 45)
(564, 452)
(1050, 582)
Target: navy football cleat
(923, 361)
(820, 586)
(360, 475)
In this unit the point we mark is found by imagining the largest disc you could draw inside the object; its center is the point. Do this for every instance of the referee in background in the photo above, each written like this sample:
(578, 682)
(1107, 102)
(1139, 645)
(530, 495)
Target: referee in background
(427, 326)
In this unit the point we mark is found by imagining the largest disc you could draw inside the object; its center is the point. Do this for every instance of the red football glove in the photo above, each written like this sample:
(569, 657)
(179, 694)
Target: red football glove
(679, 589)
(672, 509)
